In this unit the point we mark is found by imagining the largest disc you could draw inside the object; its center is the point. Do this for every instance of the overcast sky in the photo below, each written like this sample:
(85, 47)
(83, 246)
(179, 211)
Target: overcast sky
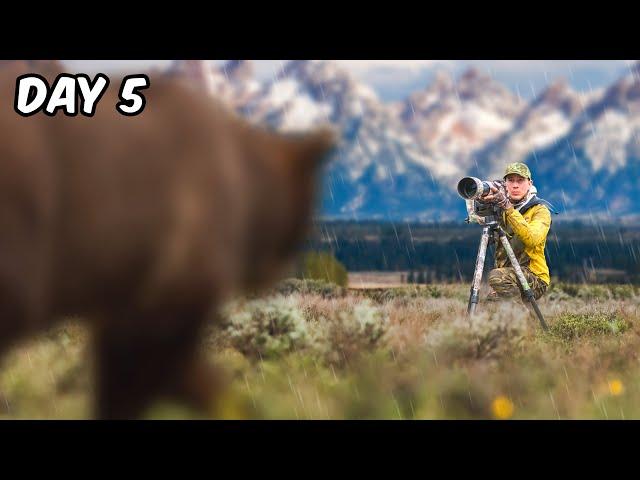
(395, 79)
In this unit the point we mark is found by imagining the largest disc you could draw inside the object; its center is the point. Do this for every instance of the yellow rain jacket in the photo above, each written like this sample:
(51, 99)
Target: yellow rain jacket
(527, 234)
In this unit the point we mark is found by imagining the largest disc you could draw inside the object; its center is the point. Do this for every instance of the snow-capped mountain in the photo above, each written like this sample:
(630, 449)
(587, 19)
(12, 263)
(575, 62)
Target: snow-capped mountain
(403, 160)
(233, 83)
(548, 118)
(454, 118)
(240, 76)
(379, 169)
(595, 167)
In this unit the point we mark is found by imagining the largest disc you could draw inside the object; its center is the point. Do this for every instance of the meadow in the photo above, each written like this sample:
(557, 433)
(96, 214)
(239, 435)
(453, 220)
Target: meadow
(313, 350)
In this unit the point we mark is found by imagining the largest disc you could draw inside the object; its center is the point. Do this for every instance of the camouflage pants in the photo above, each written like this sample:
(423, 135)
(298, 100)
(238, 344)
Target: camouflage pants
(506, 285)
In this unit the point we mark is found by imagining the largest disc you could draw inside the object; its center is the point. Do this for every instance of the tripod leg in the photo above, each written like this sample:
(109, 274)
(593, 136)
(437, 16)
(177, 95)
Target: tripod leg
(522, 279)
(477, 274)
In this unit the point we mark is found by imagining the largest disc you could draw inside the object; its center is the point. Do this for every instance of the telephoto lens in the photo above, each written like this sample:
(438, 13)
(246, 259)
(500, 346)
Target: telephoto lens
(471, 188)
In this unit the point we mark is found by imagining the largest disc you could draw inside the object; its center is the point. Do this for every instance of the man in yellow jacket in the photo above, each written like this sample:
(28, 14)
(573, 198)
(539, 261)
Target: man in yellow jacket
(526, 220)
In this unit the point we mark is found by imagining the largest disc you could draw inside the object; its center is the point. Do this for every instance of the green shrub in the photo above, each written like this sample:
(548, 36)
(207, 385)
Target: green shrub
(563, 291)
(594, 292)
(557, 294)
(325, 289)
(322, 266)
(352, 332)
(267, 328)
(572, 325)
(480, 336)
(623, 292)
(389, 294)
(570, 289)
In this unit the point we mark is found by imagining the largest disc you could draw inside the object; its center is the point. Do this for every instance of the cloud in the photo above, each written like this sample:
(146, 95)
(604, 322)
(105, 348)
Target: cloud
(362, 66)
(541, 66)
(395, 79)
(115, 66)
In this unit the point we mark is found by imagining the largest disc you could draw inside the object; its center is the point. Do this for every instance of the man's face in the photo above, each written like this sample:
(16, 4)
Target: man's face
(517, 186)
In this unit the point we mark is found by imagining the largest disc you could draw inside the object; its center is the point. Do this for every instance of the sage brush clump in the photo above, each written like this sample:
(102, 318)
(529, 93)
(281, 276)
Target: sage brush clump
(267, 328)
(403, 293)
(309, 287)
(571, 325)
(479, 336)
(348, 333)
(599, 292)
(309, 356)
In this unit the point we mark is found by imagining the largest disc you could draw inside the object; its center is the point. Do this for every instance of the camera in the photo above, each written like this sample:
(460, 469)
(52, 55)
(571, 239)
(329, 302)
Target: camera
(472, 188)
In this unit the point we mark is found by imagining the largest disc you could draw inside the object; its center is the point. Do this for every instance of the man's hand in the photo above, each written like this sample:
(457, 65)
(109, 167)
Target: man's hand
(497, 197)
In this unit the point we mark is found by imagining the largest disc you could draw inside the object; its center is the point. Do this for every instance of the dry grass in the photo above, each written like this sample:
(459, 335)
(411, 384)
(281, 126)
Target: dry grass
(396, 353)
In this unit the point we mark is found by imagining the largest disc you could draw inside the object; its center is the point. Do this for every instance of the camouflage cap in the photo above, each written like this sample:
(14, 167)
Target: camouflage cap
(519, 169)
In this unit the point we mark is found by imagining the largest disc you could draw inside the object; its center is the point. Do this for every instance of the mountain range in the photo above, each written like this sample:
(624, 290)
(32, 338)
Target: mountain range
(402, 160)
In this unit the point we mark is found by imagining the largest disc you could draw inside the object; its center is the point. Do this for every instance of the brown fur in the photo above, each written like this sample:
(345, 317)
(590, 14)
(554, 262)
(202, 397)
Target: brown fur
(143, 225)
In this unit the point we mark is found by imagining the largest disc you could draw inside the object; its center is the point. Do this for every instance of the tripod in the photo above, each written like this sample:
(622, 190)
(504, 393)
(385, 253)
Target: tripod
(492, 229)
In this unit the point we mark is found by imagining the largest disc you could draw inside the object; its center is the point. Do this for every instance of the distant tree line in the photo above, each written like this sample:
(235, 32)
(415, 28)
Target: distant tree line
(447, 252)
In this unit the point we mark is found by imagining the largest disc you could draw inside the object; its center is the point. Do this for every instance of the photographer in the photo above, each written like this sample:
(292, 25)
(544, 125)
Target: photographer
(526, 220)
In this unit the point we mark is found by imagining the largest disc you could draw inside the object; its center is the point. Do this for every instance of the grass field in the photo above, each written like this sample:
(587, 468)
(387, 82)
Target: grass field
(315, 351)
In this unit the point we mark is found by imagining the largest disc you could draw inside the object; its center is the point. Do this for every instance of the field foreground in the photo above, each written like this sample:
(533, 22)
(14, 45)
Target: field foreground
(316, 351)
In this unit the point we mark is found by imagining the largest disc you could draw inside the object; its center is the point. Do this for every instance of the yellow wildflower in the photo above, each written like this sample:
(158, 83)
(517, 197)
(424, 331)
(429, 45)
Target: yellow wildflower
(616, 387)
(502, 407)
